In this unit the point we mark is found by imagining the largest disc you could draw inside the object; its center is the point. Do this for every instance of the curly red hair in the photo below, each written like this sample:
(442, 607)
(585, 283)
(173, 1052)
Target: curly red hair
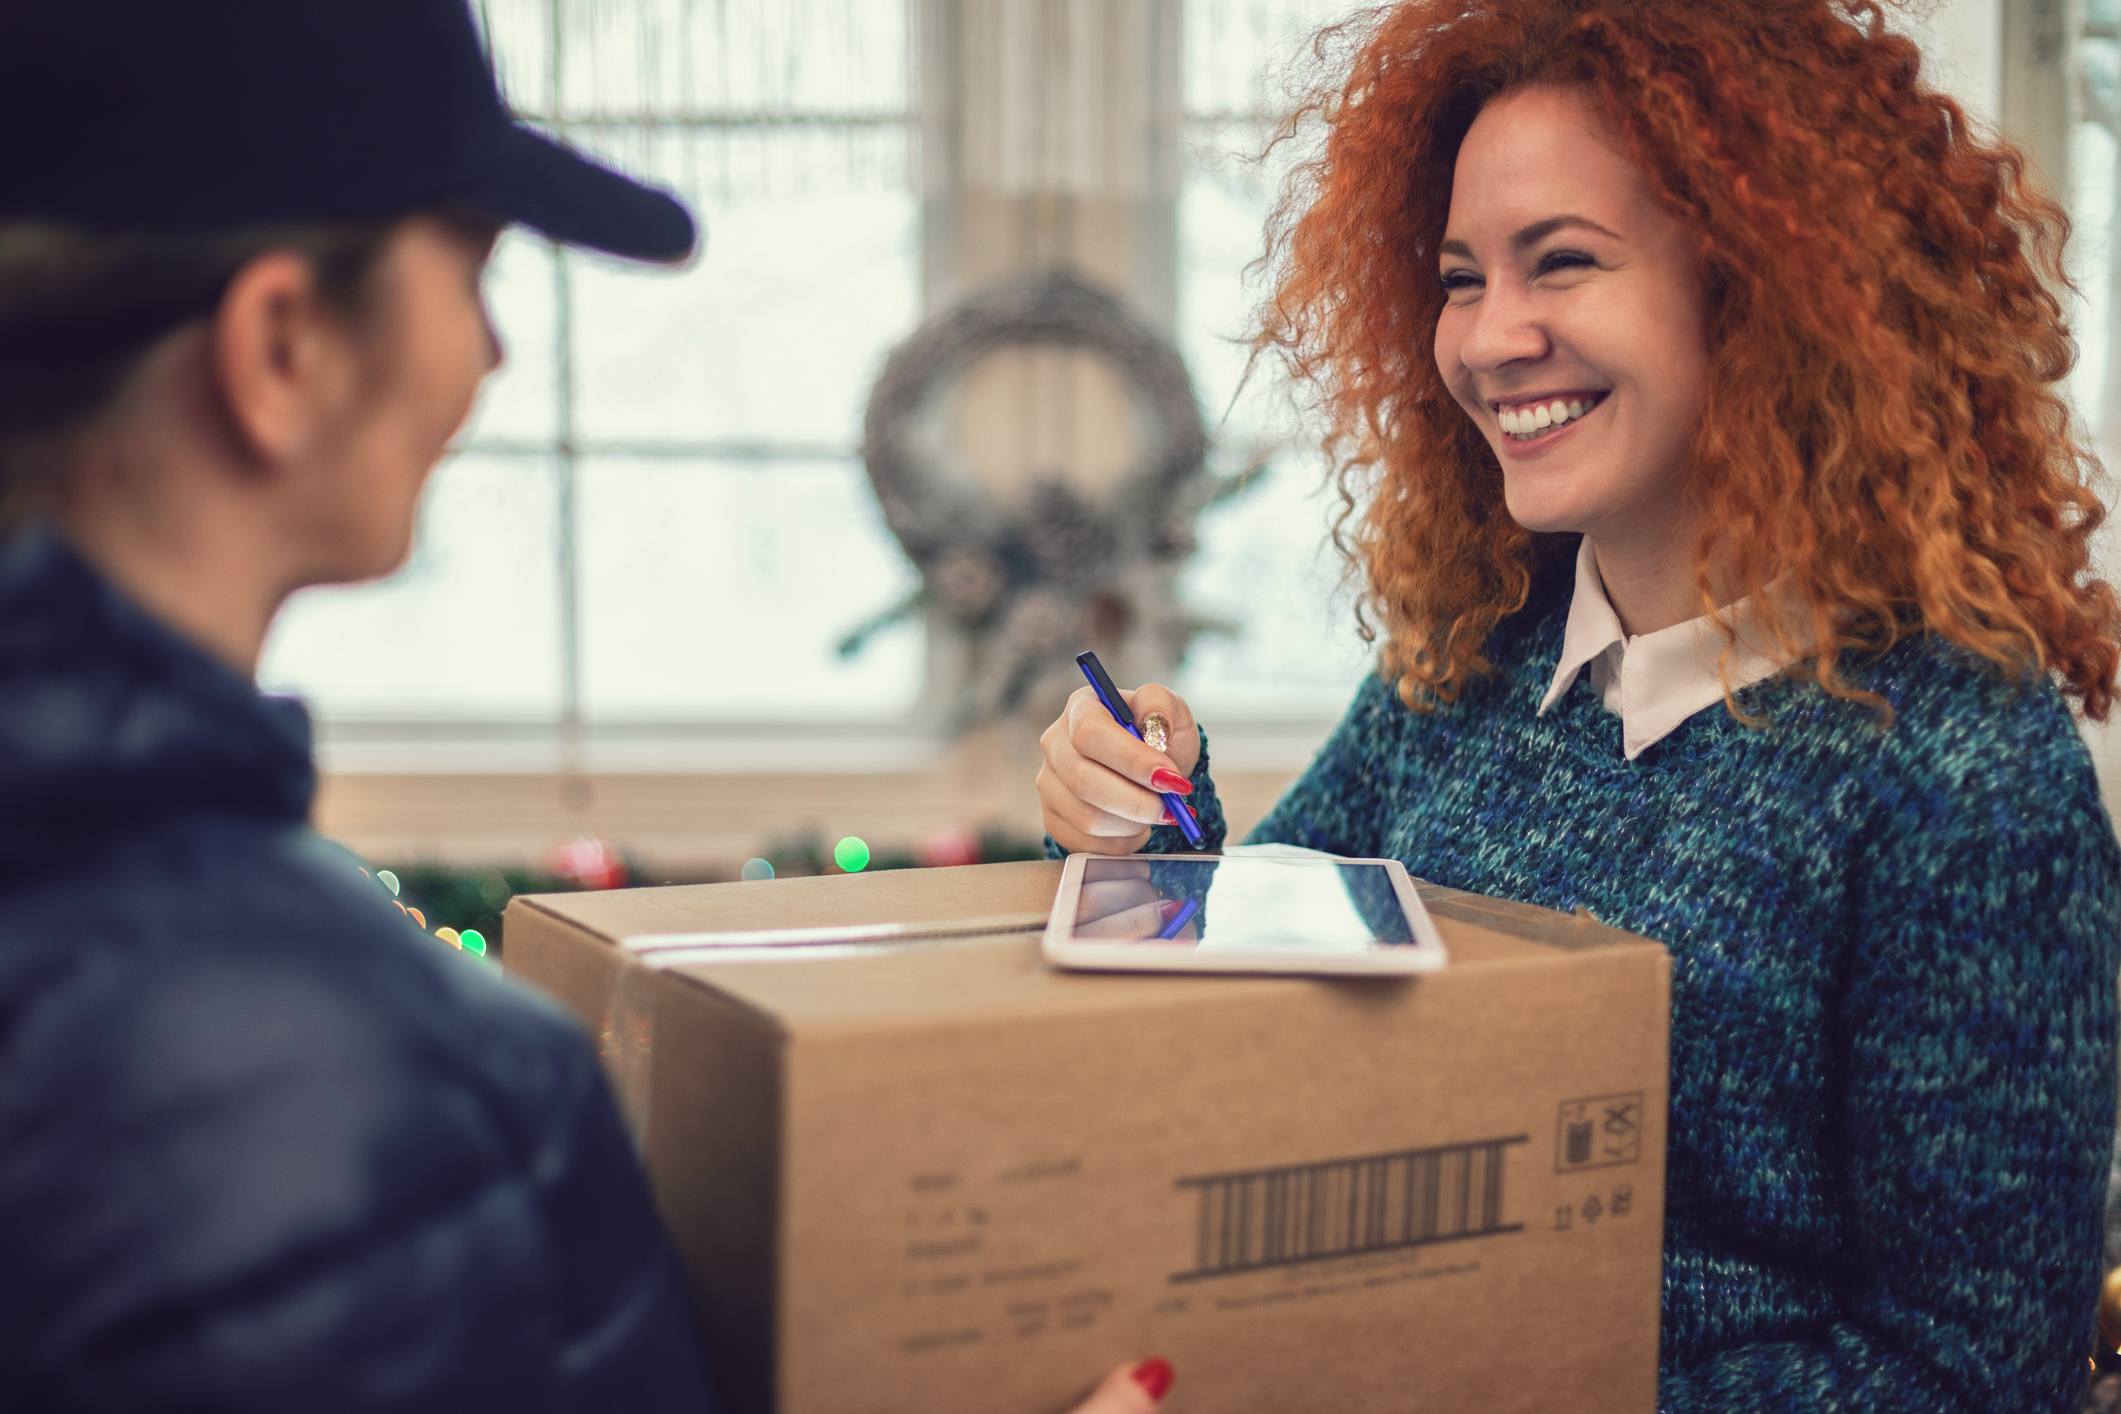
(1881, 432)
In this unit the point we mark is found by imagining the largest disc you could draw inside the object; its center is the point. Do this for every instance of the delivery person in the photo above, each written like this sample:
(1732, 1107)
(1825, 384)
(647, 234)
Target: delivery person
(263, 1145)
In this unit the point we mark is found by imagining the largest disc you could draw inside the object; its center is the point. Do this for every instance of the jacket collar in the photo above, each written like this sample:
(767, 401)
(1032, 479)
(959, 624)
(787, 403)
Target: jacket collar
(110, 720)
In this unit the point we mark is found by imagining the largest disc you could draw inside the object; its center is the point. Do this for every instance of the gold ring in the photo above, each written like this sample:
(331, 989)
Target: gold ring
(1156, 731)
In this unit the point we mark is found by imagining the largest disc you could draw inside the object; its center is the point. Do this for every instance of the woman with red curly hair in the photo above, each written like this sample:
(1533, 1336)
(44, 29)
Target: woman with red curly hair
(1691, 363)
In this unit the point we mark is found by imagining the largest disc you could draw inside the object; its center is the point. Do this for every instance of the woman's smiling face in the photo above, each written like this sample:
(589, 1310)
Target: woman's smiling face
(1574, 332)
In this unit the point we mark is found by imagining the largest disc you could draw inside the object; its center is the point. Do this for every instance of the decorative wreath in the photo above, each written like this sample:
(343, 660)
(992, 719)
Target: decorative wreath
(1028, 583)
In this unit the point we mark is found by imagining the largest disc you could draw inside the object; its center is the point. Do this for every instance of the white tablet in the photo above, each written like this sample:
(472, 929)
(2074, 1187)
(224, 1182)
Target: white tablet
(1213, 913)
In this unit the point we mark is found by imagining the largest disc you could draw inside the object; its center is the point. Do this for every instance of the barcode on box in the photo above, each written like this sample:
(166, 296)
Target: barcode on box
(1346, 1207)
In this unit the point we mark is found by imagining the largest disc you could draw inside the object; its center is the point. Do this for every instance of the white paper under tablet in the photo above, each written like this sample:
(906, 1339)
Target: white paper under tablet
(1238, 906)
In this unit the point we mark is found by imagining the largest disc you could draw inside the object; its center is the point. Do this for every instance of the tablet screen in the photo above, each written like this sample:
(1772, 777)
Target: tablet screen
(1242, 905)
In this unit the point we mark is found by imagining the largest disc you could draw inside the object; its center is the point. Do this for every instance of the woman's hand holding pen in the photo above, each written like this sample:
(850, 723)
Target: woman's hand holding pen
(1098, 785)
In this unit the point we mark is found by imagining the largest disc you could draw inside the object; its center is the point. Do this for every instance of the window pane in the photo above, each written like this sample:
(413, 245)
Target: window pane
(1240, 54)
(2095, 175)
(1265, 564)
(1264, 560)
(811, 270)
(719, 589)
(634, 56)
(468, 628)
(1223, 203)
(2095, 158)
(518, 35)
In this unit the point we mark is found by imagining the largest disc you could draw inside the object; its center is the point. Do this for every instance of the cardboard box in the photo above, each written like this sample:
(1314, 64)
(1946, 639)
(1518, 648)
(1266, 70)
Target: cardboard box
(922, 1173)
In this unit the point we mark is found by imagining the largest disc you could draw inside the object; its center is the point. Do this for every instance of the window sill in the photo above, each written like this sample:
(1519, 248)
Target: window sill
(693, 801)
(495, 748)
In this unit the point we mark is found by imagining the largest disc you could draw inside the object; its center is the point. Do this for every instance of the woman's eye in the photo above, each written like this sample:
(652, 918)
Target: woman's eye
(1455, 280)
(1555, 260)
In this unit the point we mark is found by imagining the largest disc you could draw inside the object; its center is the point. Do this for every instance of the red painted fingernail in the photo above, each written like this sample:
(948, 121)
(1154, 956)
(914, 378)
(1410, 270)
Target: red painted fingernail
(1168, 909)
(1165, 779)
(1154, 1376)
(1168, 819)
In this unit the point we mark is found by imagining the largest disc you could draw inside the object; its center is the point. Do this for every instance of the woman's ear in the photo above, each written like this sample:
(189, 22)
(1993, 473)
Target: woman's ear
(280, 359)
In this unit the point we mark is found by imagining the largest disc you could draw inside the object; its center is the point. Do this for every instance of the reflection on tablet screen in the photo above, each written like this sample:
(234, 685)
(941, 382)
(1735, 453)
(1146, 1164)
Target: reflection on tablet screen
(1241, 905)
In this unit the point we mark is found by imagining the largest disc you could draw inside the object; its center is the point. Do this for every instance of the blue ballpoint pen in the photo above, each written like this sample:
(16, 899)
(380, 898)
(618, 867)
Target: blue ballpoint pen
(1101, 684)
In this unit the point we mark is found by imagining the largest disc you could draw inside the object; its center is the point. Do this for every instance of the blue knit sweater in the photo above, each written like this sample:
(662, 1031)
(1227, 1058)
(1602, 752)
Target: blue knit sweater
(1893, 1030)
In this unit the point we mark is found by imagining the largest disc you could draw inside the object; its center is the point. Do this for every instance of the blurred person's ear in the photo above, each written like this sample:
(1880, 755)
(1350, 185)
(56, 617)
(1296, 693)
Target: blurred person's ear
(283, 360)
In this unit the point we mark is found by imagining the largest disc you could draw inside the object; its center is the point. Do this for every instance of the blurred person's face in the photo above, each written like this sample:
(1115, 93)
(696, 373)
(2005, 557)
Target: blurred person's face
(410, 366)
(1574, 333)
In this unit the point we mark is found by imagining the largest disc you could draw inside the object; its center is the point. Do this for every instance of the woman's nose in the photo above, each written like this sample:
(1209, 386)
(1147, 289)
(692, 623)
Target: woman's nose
(1504, 329)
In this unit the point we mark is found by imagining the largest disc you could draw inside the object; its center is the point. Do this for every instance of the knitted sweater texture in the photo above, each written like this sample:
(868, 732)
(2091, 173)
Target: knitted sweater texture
(1893, 1030)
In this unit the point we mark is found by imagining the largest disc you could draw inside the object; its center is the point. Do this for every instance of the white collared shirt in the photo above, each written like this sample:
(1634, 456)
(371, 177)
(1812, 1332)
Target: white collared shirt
(1652, 681)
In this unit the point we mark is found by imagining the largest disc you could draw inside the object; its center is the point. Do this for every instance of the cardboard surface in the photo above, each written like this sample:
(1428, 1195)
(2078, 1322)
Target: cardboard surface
(938, 1175)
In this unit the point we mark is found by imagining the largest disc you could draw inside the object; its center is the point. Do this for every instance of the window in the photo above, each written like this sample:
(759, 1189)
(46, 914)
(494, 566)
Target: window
(656, 513)
(1265, 563)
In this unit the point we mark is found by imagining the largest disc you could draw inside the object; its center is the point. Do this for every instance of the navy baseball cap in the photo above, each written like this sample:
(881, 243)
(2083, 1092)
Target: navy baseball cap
(208, 114)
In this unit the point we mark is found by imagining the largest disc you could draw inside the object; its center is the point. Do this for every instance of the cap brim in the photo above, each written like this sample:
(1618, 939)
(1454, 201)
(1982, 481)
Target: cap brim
(527, 177)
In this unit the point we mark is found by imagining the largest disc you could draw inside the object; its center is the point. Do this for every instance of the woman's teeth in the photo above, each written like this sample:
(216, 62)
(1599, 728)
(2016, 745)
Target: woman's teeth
(1532, 419)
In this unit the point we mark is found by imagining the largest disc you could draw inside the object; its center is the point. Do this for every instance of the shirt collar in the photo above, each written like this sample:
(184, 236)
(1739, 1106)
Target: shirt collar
(1654, 681)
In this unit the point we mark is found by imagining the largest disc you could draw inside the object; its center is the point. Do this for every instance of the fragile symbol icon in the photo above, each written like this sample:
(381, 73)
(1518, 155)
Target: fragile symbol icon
(1598, 1131)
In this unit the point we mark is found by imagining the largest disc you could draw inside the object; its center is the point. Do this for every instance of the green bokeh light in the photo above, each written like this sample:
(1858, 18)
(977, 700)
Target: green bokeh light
(757, 869)
(388, 880)
(473, 941)
(851, 855)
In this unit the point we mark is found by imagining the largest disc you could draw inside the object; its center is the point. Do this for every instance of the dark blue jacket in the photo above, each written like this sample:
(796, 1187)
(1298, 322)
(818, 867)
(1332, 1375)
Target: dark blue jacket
(263, 1144)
